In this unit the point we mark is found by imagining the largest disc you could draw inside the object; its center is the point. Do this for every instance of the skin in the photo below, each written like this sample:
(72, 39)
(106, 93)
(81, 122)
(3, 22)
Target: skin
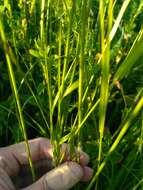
(15, 173)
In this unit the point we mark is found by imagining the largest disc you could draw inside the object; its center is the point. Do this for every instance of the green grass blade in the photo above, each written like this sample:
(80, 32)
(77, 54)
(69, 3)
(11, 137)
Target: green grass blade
(123, 131)
(134, 54)
(16, 96)
(71, 88)
(70, 14)
(119, 18)
(82, 59)
(105, 72)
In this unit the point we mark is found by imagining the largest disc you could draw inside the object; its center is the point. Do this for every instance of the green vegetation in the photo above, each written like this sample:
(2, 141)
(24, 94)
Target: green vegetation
(72, 71)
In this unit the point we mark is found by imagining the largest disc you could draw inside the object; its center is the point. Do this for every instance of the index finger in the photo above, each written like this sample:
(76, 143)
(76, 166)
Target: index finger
(40, 148)
(13, 156)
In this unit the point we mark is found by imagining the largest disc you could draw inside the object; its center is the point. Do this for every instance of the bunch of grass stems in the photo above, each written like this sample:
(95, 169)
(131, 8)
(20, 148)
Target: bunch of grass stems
(68, 72)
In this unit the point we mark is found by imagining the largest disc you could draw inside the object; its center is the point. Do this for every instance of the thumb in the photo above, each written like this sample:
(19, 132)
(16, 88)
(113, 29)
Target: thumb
(61, 178)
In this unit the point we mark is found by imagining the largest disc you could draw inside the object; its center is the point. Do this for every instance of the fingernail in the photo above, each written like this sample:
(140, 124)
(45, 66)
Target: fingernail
(84, 159)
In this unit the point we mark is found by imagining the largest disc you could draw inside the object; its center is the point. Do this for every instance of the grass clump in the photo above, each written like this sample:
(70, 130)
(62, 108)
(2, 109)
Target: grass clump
(75, 70)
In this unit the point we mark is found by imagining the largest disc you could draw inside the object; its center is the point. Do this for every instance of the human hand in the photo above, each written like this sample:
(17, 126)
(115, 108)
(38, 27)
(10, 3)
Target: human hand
(14, 161)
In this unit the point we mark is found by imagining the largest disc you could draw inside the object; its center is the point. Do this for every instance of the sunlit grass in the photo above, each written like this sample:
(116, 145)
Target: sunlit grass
(69, 60)
(16, 96)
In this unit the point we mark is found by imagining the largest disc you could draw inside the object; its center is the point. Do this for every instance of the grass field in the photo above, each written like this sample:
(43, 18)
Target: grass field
(72, 71)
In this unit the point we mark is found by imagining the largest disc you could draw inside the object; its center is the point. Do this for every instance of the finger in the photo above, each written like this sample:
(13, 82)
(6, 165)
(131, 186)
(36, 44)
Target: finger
(40, 148)
(61, 178)
(88, 173)
(41, 167)
(84, 158)
(5, 181)
(12, 157)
